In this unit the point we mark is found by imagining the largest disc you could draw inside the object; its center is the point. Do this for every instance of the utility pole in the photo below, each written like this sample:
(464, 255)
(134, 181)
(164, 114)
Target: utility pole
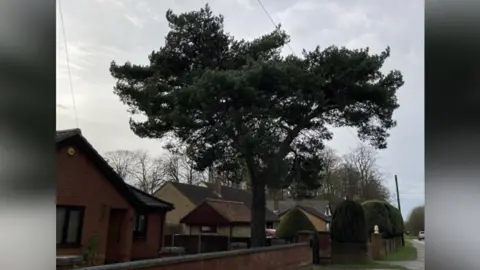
(399, 207)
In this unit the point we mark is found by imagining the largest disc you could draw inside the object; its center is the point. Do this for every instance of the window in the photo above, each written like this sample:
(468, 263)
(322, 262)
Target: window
(69, 224)
(208, 229)
(140, 226)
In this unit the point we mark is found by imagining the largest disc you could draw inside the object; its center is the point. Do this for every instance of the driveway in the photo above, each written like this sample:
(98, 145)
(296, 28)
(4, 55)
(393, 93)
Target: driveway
(419, 263)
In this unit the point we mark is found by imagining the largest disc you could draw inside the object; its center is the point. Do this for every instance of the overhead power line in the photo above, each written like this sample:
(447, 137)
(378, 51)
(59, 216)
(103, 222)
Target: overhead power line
(68, 63)
(288, 45)
(273, 22)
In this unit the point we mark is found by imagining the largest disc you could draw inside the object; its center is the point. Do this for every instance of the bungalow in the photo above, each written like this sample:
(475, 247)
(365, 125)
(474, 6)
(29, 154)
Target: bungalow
(187, 197)
(97, 212)
(219, 217)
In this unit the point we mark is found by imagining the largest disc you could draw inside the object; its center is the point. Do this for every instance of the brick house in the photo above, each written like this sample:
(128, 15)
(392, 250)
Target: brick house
(219, 217)
(97, 210)
(187, 197)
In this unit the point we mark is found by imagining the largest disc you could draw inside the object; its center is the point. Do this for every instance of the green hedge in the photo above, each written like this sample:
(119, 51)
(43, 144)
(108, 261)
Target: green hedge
(386, 216)
(348, 223)
(293, 222)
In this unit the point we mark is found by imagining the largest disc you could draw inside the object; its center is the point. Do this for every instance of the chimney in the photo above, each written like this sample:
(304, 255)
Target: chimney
(275, 201)
(218, 186)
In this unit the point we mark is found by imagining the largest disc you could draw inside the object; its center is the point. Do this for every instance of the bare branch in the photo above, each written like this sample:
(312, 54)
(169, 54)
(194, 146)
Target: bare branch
(123, 162)
(138, 168)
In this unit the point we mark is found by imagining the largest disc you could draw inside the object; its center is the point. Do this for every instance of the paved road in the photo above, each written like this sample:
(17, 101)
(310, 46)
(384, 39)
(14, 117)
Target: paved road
(419, 263)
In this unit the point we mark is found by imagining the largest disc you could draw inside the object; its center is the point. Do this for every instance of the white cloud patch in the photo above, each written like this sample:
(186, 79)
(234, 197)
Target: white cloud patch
(136, 21)
(115, 3)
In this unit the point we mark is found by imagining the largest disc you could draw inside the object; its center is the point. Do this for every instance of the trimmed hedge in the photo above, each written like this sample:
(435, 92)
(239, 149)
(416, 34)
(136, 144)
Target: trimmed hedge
(348, 223)
(386, 216)
(293, 222)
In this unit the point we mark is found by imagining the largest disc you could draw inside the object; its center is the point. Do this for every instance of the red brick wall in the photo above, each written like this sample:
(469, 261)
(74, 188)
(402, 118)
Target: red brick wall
(80, 183)
(151, 245)
(325, 244)
(282, 257)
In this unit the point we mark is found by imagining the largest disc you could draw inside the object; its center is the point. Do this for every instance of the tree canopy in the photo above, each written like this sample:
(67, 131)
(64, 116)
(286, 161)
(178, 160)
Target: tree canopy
(416, 220)
(234, 100)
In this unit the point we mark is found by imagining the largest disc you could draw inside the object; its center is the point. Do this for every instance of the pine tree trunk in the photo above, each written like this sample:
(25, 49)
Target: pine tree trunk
(257, 225)
(258, 222)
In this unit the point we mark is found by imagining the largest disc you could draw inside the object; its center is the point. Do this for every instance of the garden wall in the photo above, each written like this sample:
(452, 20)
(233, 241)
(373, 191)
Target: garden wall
(281, 257)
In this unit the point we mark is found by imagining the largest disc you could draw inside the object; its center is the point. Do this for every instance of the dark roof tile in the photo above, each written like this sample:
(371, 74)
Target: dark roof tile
(149, 200)
(61, 135)
(232, 211)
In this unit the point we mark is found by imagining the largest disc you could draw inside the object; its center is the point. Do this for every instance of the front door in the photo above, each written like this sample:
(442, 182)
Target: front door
(113, 254)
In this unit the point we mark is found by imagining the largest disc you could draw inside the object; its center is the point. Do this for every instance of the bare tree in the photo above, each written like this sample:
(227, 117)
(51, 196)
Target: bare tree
(363, 160)
(180, 168)
(122, 161)
(355, 176)
(149, 174)
(138, 168)
(172, 168)
(331, 163)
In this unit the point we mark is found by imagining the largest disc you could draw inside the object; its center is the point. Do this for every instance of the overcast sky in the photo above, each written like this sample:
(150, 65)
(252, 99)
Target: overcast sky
(99, 31)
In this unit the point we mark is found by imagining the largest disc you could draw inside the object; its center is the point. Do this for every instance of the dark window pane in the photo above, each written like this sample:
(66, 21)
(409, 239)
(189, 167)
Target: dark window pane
(135, 223)
(60, 221)
(141, 223)
(73, 226)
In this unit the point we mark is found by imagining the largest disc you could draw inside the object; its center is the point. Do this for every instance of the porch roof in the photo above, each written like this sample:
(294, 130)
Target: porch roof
(215, 212)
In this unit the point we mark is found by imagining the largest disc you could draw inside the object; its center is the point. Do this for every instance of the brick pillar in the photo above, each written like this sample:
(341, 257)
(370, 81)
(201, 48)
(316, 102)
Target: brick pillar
(376, 247)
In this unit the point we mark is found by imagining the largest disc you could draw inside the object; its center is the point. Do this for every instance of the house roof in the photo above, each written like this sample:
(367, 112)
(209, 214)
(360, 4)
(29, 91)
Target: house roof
(314, 207)
(149, 200)
(67, 133)
(315, 212)
(198, 194)
(232, 211)
(134, 196)
(215, 212)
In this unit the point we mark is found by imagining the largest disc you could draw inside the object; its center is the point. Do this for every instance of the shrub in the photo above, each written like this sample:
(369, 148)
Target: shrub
(387, 217)
(293, 222)
(397, 220)
(377, 213)
(348, 223)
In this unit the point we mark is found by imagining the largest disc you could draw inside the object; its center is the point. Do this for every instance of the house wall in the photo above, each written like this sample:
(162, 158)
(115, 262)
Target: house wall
(221, 230)
(150, 246)
(182, 204)
(319, 223)
(237, 231)
(241, 231)
(79, 183)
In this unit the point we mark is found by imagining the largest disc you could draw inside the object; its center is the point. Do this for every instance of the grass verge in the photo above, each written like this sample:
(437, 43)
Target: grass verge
(406, 253)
